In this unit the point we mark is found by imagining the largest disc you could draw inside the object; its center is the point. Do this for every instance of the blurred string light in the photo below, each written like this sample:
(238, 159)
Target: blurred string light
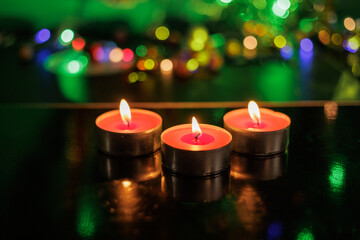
(116, 55)
(42, 35)
(324, 37)
(305, 234)
(280, 41)
(67, 36)
(250, 42)
(162, 33)
(233, 47)
(166, 65)
(128, 55)
(141, 51)
(349, 24)
(78, 44)
(149, 64)
(280, 8)
(192, 65)
(306, 45)
(336, 39)
(286, 52)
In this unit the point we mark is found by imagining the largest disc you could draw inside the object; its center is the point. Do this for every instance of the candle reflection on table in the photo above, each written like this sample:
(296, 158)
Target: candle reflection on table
(193, 188)
(260, 168)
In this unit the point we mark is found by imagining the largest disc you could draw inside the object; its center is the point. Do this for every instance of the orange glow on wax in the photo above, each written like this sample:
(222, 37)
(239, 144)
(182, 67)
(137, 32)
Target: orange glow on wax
(125, 112)
(196, 128)
(254, 112)
(126, 183)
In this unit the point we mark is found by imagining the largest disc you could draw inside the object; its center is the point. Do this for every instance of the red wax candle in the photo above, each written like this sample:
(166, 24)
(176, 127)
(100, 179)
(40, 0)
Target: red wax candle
(202, 151)
(131, 133)
(258, 131)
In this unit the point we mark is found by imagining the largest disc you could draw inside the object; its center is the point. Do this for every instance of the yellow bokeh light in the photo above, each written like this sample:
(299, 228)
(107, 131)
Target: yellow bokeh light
(149, 64)
(162, 33)
(233, 48)
(349, 23)
(324, 37)
(192, 64)
(249, 26)
(166, 65)
(280, 41)
(260, 30)
(250, 42)
(200, 33)
(116, 55)
(197, 45)
(336, 39)
(203, 57)
(133, 77)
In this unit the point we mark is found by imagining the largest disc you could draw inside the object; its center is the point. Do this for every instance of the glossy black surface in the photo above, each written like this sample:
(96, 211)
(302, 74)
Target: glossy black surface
(55, 184)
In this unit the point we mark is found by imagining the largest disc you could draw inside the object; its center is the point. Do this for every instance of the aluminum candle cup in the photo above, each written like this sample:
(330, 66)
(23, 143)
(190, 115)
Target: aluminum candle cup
(140, 137)
(195, 189)
(141, 168)
(269, 136)
(259, 168)
(209, 154)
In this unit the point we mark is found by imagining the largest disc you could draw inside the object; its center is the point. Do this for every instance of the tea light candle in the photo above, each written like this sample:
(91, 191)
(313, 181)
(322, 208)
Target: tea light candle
(194, 149)
(128, 132)
(258, 131)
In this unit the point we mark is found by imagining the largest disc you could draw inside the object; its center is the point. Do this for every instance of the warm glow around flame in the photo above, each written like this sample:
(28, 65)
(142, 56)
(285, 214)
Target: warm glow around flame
(125, 112)
(196, 128)
(126, 183)
(254, 112)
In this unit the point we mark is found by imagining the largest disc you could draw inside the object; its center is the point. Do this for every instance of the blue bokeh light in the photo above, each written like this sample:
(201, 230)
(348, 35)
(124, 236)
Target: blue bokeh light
(286, 52)
(42, 36)
(306, 45)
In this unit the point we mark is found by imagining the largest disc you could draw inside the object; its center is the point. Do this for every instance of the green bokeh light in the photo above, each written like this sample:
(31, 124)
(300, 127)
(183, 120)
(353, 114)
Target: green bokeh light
(141, 51)
(67, 36)
(305, 234)
(337, 177)
(306, 25)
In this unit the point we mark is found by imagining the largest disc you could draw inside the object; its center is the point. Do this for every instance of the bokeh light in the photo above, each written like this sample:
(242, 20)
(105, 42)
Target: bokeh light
(141, 51)
(98, 53)
(306, 45)
(162, 33)
(78, 44)
(278, 11)
(336, 39)
(200, 33)
(259, 4)
(233, 47)
(42, 36)
(203, 57)
(349, 23)
(116, 55)
(280, 41)
(250, 42)
(73, 66)
(133, 77)
(286, 52)
(141, 65)
(128, 55)
(166, 65)
(67, 35)
(149, 64)
(197, 45)
(192, 65)
(324, 37)
(284, 4)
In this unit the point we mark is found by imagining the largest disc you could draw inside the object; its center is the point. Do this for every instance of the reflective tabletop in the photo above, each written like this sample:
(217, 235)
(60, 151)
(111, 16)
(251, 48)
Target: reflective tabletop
(56, 184)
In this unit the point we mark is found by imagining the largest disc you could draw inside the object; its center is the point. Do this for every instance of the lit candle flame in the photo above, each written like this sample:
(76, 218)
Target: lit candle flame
(196, 128)
(125, 112)
(254, 112)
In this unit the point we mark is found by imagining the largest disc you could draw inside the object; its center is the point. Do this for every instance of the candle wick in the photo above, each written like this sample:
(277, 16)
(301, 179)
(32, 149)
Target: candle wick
(197, 136)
